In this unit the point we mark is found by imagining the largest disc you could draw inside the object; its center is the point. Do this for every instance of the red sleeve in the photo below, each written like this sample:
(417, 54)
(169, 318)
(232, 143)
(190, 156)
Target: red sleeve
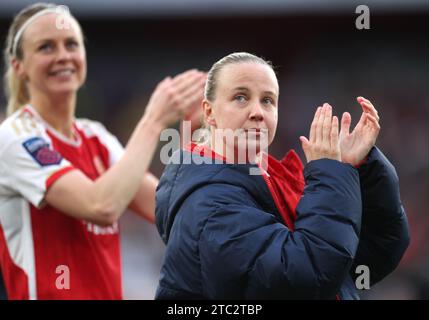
(361, 162)
(54, 177)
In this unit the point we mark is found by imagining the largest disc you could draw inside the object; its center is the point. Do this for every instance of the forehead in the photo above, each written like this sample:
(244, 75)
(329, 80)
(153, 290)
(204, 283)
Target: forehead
(252, 75)
(52, 26)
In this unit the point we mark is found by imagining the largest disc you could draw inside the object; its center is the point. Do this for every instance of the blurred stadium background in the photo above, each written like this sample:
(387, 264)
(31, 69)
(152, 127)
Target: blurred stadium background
(320, 57)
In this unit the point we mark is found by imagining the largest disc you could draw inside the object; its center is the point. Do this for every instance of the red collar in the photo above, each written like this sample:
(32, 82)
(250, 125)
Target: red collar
(203, 151)
(285, 179)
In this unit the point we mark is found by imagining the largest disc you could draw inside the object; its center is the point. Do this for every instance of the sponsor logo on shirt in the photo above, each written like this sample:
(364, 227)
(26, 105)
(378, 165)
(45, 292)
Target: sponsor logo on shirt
(40, 151)
(99, 230)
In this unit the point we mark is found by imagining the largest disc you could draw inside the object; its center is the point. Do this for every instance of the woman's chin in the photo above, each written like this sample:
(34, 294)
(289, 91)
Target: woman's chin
(248, 154)
(63, 90)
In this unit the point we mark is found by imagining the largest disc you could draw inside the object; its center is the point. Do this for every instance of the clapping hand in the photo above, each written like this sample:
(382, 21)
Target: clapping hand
(323, 140)
(175, 98)
(356, 145)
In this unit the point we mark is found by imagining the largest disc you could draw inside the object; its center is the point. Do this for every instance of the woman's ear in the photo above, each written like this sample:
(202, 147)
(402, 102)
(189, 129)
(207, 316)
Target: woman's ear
(208, 113)
(18, 68)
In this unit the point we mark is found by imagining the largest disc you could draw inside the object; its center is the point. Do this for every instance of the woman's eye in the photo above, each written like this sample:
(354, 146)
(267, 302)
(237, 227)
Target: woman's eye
(240, 98)
(72, 44)
(45, 47)
(268, 101)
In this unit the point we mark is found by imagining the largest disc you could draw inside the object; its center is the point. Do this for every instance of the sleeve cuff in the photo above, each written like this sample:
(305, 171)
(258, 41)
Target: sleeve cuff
(54, 177)
(357, 166)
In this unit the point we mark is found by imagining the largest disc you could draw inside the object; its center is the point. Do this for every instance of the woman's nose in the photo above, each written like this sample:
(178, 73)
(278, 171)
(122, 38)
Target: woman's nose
(63, 54)
(256, 113)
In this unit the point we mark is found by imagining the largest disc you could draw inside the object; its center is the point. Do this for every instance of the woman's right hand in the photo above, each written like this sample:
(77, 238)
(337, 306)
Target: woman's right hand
(323, 141)
(173, 97)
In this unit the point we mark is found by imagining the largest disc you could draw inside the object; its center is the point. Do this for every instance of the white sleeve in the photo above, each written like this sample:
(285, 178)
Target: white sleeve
(115, 148)
(29, 165)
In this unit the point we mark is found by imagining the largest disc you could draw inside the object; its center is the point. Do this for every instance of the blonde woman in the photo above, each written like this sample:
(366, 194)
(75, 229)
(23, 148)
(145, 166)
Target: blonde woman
(65, 182)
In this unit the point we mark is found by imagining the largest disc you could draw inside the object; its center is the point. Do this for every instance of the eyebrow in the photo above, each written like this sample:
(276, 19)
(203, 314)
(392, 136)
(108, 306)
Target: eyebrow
(241, 89)
(247, 90)
(50, 40)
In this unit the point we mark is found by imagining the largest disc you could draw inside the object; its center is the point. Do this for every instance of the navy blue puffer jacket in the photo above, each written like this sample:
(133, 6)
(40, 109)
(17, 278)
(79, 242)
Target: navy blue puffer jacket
(226, 240)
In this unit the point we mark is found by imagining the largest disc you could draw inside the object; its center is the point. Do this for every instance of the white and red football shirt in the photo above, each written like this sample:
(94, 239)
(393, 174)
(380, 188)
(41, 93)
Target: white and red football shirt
(44, 253)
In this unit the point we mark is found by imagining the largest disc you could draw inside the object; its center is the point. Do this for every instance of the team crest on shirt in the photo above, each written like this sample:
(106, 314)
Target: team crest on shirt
(40, 151)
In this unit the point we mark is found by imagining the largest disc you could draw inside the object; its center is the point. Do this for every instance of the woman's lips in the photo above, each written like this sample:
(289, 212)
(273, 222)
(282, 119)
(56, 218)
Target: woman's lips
(62, 74)
(256, 130)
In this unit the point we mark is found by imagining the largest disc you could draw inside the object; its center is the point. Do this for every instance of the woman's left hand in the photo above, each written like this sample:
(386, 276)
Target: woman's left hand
(356, 145)
(195, 113)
